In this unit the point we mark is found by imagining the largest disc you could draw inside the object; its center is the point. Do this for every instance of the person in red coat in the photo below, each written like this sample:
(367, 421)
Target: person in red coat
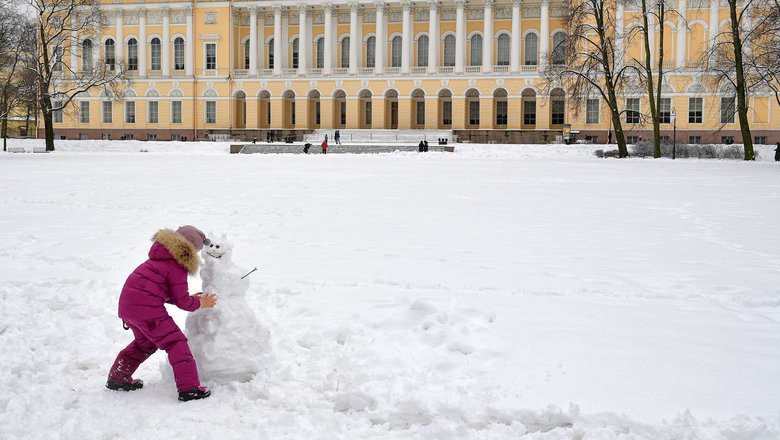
(160, 280)
(325, 146)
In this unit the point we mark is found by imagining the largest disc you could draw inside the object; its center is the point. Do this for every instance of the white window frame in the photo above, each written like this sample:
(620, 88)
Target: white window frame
(128, 106)
(110, 114)
(206, 58)
(206, 118)
(153, 112)
(173, 112)
(84, 112)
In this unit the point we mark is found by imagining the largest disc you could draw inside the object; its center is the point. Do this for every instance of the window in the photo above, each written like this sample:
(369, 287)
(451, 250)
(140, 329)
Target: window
(632, 139)
(105, 136)
(211, 56)
(759, 140)
(371, 52)
(57, 55)
(109, 52)
(473, 112)
(501, 112)
(108, 116)
(559, 52)
(343, 113)
(84, 112)
(420, 112)
(694, 139)
(292, 114)
(632, 110)
(56, 114)
(271, 53)
(449, 50)
(130, 112)
(151, 137)
(175, 137)
(153, 111)
(176, 112)
(345, 52)
(529, 112)
(476, 50)
(503, 50)
(295, 52)
(395, 52)
(531, 49)
(665, 111)
(132, 54)
(156, 51)
(727, 110)
(320, 53)
(367, 115)
(592, 108)
(446, 110)
(317, 112)
(695, 110)
(178, 53)
(246, 54)
(86, 55)
(422, 51)
(728, 140)
(557, 112)
(211, 112)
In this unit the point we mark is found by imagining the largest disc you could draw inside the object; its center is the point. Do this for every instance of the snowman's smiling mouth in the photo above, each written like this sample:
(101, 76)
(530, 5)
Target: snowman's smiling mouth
(214, 255)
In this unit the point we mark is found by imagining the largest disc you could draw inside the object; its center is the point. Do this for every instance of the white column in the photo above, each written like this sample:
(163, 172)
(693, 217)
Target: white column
(517, 30)
(354, 38)
(381, 38)
(714, 27)
(682, 33)
(544, 38)
(260, 39)
(328, 62)
(487, 37)
(119, 53)
(619, 29)
(406, 44)
(253, 41)
(189, 44)
(460, 36)
(142, 43)
(433, 37)
(166, 42)
(304, 41)
(278, 40)
(74, 46)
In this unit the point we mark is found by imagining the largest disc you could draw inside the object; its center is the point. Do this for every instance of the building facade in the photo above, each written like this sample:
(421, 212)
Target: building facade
(241, 68)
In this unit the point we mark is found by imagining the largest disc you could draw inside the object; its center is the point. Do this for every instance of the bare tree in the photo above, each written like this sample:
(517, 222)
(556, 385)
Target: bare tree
(593, 59)
(16, 87)
(764, 56)
(63, 27)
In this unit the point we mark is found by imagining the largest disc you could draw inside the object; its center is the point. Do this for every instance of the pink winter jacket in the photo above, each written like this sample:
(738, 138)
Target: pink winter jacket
(161, 279)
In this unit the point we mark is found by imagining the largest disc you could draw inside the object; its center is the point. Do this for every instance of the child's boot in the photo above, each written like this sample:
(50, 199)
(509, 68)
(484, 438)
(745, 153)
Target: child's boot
(194, 394)
(134, 384)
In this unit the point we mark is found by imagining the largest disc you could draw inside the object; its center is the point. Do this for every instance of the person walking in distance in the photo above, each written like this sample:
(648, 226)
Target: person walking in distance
(325, 146)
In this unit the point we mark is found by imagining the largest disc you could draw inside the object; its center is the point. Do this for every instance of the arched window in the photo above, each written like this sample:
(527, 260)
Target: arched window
(110, 56)
(503, 50)
(449, 50)
(395, 52)
(57, 54)
(156, 50)
(295, 53)
(271, 53)
(132, 54)
(345, 52)
(178, 53)
(422, 51)
(86, 55)
(247, 51)
(320, 53)
(371, 52)
(559, 51)
(531, 50)
(476, 50)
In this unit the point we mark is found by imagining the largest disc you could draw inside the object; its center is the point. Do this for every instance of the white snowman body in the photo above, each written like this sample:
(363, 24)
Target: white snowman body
(227, 341)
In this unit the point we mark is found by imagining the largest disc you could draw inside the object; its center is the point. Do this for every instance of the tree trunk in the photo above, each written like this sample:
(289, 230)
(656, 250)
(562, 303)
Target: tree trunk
(48, 122)
(650, 93)
(4, 126)
(742, 105)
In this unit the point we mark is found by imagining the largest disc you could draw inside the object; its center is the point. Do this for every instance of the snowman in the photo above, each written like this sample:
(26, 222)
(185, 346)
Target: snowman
(227, 341)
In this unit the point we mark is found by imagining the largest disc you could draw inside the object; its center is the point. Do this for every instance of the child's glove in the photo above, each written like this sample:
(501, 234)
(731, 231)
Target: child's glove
(207, 300)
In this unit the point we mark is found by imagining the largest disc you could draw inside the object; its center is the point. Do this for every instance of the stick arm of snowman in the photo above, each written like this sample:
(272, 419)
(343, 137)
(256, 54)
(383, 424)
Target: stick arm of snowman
(249, 273)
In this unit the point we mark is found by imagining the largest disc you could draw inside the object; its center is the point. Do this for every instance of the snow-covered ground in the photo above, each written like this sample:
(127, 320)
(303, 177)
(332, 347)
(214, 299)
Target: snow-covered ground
(492, 293)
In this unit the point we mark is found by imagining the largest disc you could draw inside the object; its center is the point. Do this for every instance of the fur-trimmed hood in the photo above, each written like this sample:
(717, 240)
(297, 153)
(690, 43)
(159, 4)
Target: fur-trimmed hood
(168, 244)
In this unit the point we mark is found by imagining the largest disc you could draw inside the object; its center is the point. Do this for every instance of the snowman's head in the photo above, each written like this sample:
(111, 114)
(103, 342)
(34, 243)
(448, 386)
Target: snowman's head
(217, 248)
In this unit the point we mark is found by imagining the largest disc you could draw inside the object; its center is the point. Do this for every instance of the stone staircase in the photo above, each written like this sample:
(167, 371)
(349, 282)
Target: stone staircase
(380, 136)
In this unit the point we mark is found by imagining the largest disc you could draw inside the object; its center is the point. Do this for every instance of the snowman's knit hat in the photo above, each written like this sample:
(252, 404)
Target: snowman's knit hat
(193, 235)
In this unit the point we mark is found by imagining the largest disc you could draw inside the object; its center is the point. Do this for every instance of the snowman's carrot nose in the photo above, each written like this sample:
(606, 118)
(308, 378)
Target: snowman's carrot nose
(248, 273)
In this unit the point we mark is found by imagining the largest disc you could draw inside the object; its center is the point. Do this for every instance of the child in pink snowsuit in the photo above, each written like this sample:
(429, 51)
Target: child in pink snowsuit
(159, 280)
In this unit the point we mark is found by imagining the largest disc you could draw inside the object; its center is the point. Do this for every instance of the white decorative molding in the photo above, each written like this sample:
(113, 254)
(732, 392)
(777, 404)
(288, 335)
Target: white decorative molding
(532, 11)
(210, 17)
(339, 84)
(364, 83)
(154, 17)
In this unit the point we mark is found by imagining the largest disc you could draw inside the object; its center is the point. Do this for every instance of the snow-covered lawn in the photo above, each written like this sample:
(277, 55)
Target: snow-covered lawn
(484, 294)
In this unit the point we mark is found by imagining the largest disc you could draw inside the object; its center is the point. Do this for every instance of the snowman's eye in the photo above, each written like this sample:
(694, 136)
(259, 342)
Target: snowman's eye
(217, 246)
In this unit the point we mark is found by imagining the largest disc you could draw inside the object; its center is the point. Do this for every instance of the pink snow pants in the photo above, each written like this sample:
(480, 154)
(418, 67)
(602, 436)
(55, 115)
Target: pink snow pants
(162, 333)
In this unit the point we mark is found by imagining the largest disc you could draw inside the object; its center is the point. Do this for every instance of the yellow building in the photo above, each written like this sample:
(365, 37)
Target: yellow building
(241, 68)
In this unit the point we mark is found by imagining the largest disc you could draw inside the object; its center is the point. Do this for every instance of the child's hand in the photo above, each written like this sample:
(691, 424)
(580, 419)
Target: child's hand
(207, 300)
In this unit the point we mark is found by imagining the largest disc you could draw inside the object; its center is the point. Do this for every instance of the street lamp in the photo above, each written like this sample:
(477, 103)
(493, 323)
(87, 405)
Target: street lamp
(674, 130)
